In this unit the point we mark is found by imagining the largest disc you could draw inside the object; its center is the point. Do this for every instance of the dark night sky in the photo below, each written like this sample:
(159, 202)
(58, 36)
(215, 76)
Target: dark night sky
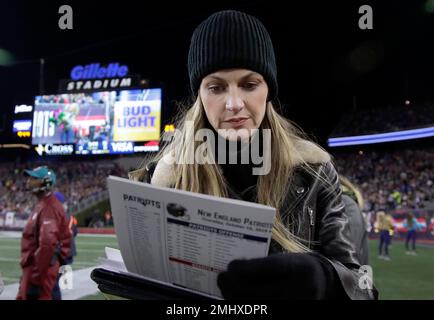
(323, 58)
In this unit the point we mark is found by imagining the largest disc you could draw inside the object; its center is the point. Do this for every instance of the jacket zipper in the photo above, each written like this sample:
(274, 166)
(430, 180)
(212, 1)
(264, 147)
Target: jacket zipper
(312, 223)
(310, 210)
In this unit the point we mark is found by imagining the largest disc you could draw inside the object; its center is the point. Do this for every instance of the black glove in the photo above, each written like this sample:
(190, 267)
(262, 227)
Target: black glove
(280, 276)
(33, 292)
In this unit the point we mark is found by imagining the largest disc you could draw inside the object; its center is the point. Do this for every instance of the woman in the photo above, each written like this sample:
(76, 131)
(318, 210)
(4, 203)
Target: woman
(232, 73)
(411, 224)
(384, 225)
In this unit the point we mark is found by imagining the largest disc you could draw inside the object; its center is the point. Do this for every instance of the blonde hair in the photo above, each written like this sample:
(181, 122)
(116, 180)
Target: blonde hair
(208, 178)
(383, 221)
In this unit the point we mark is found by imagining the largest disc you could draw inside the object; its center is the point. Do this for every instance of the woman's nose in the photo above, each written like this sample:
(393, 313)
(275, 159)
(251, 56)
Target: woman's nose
(234, 102)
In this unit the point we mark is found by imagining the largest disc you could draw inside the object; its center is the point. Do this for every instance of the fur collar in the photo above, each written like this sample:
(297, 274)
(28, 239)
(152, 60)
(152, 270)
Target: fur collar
(305, 151)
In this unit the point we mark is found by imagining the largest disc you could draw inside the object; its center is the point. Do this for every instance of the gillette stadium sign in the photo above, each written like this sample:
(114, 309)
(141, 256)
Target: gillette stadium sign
(94, 76)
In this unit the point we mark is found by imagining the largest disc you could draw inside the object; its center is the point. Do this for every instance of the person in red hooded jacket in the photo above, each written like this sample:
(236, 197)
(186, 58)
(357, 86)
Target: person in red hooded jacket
(46, 238)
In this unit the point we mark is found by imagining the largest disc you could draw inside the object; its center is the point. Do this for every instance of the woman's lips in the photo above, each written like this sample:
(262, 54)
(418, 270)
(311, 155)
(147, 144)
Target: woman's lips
(237, 122)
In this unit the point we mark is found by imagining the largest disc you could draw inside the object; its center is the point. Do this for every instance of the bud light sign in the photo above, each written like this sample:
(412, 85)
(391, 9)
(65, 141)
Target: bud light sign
(138, 120)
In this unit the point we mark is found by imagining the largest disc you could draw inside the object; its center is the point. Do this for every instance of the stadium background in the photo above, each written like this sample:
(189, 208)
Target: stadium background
(354, 82)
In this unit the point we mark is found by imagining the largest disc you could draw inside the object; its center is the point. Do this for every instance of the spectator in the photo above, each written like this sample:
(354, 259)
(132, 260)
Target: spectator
(384, 225)
(108, 218)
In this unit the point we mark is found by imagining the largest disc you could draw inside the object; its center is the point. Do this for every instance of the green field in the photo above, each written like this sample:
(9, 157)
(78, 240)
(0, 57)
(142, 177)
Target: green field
(404, 277)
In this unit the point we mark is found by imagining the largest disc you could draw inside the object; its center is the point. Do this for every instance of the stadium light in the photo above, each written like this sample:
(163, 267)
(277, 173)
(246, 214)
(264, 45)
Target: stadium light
(381, 137)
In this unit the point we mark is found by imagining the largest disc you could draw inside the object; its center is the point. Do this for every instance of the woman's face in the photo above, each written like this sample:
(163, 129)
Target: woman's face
(234, 99)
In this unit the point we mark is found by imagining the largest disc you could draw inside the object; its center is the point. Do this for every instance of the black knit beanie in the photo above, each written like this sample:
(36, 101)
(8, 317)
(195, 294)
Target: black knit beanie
(231, 39)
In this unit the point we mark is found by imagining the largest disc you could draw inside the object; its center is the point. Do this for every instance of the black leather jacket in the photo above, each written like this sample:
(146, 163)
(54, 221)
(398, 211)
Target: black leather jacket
(317, 205)
(317, 216)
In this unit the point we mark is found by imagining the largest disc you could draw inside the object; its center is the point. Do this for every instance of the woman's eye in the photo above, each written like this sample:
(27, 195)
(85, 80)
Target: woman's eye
(250, 86)
(216, 89)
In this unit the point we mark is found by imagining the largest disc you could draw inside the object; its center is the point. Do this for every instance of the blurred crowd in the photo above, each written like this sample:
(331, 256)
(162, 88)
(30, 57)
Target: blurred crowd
(367, 121)
(401, 179)
(77, 180)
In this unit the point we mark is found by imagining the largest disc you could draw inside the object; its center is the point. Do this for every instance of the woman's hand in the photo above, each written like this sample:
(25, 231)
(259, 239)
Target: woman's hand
(280, 276)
